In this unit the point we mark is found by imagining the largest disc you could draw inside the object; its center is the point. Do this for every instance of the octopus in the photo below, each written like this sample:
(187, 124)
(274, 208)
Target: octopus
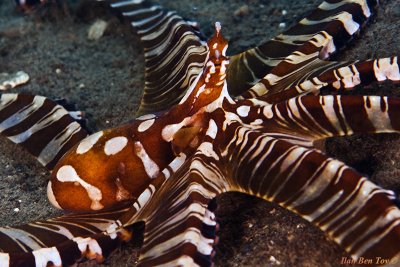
(138, 150)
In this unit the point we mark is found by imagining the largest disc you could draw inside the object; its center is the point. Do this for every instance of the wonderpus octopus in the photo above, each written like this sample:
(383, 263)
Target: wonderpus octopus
(210, 123)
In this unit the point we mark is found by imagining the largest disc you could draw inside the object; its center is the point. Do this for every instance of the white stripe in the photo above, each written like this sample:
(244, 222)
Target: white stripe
(327, 102)
(23, 113)
(22, 237)
(88, 246)
(54, 146)
(53, 116)
(346, 18)
(126, 3)
(45, 255)
(184, 260)
(53, 227)
(191, 235)
(331, 6)
(380, 119)
(386, 70)
(4, 259)
(7, 99)
(393, 216)
(141, 22)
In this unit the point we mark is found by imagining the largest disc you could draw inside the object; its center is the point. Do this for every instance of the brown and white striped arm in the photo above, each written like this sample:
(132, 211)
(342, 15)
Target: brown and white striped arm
(353, 74)
(318, 117)
(339, 75)
(169, 43)
(180, 226)
(350, 209)
(303, 47)
(40, 125)
(63, 241)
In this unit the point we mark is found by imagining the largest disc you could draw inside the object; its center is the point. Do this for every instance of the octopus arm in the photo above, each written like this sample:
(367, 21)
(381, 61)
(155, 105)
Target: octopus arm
(180, 226)
(322, 33)
(350, 209)
(319, 117)
(44, 127)
(64, 240)
(327, 75)
(170, 43)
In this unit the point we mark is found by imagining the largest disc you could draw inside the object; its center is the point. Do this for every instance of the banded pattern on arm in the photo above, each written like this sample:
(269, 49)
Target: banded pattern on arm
(42, 126)
(173, 49)
(304, 46)
(353, 211)
(180, 223)
(319, 117)
(62, 240)
(344, 75)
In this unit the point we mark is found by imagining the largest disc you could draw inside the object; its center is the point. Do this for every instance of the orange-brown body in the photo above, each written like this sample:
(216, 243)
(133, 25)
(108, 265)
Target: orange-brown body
(119, 175)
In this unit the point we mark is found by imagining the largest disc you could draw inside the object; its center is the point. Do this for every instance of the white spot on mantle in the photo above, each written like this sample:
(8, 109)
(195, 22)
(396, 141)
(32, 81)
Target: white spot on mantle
(67, 173)
(86, 144)
(150, 166)
(115, 145)
(143, 126)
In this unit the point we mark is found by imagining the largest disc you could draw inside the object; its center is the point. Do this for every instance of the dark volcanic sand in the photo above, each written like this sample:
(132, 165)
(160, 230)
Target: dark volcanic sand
(105, 78)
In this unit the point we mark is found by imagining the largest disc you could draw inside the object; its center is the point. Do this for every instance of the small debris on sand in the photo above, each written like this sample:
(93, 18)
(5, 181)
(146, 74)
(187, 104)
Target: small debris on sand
(242, 11)
(96, 31)
(274, 261)
(8, 81)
